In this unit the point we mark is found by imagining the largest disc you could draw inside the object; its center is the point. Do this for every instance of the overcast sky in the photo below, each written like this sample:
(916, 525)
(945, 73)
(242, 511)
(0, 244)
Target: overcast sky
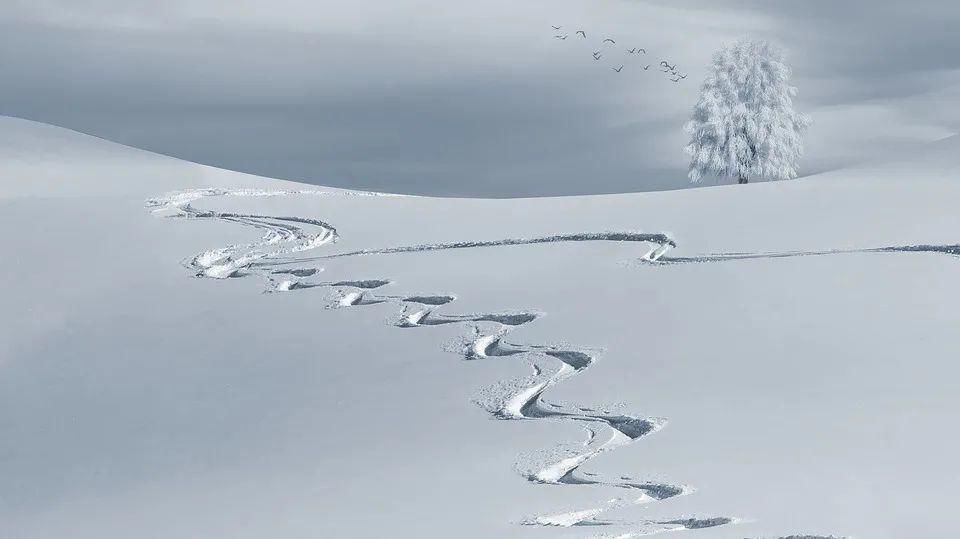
(465, 98)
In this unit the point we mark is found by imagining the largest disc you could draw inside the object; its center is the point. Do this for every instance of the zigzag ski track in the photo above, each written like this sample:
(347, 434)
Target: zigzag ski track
(279, 258)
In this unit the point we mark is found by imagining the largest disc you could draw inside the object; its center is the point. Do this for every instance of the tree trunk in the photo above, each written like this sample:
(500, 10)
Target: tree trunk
(743, 179)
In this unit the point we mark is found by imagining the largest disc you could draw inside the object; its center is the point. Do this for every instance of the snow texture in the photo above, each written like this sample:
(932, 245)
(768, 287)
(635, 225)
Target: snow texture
(254, 359)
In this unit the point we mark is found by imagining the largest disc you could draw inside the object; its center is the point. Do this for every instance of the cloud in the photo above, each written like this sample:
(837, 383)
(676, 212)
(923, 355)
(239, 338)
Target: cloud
(458, 98)
(868, 48)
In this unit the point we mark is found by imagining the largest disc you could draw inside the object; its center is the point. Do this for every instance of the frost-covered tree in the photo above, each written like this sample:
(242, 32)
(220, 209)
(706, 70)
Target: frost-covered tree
(744, 125)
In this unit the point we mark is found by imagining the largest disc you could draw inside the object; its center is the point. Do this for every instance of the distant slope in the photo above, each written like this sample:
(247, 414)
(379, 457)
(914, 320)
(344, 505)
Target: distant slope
(936, 160)
(41, 160)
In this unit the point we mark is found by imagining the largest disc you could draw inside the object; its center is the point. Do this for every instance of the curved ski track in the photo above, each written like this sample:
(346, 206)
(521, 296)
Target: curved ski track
(521, 399)
(949, 250)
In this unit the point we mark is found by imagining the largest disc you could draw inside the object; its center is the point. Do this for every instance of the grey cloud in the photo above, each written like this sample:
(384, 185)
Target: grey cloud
(868, 49)
(388, 119)
(471, 99)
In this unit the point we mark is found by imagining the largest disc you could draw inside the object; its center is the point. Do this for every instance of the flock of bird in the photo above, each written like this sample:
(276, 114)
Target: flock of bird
(665, 67)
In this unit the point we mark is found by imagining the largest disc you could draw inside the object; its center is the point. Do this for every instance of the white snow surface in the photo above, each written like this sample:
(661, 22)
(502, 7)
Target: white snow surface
(798, 340)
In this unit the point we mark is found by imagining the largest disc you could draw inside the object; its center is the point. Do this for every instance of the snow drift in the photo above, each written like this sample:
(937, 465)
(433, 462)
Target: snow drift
(736, 386)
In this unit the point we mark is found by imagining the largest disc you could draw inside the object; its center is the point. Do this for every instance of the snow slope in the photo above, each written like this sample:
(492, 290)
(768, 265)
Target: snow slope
(356, 365)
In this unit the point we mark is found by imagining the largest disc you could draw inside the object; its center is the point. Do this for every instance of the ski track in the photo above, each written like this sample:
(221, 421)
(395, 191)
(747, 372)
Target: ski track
(522, 399)
(949, 250)
(662, 241)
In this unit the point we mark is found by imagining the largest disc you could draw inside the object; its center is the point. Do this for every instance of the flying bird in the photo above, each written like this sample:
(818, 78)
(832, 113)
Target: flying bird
(668, 66)
(610, 40)
(618, 69)
(682, 76)
(597, 56)
(582, 33)
(676, 79)
(632, 51)
(557, 27)
(644, 51)
(646, 68)
(561, 37)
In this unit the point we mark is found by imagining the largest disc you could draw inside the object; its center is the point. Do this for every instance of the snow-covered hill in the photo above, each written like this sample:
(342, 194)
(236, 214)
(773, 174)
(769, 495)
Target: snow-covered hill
(350, 364)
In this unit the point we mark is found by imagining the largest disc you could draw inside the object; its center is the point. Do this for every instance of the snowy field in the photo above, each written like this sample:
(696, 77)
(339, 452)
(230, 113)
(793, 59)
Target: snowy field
(193, 353)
